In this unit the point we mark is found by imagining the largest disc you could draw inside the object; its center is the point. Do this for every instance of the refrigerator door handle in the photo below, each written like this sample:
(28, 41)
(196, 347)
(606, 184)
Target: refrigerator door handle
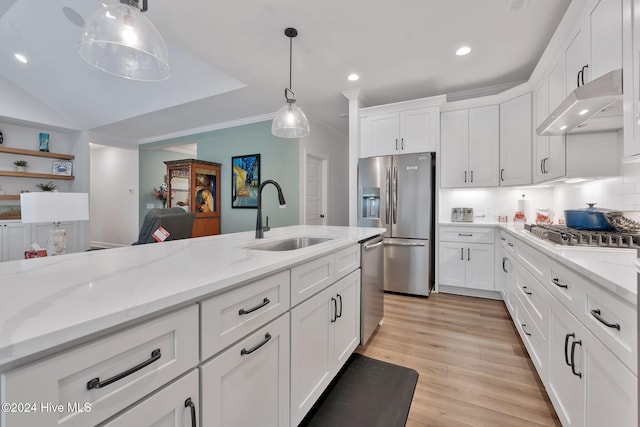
(403, 244)
(395, 195)
(372, 246)
(388, 198)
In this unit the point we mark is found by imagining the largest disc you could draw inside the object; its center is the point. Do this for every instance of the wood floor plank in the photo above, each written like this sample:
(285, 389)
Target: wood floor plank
(474, 370)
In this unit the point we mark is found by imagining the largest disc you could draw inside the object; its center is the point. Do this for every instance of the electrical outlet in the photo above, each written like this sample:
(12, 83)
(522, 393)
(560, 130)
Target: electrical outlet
(150, 206)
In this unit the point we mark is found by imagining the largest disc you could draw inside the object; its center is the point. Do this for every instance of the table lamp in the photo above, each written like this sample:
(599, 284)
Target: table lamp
(54, 207)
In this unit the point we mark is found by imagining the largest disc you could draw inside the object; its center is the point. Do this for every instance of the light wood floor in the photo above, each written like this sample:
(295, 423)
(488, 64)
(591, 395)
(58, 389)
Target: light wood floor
(473, 368)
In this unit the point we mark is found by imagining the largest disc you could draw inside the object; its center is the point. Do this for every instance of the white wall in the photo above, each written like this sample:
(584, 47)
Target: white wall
(113, 198)
(325, 142)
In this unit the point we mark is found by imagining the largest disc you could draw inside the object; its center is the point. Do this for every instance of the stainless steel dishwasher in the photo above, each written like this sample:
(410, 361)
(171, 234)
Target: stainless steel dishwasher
(372, 286)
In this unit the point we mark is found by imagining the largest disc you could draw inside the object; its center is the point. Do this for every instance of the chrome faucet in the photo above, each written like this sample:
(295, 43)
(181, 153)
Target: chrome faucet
(259, 228)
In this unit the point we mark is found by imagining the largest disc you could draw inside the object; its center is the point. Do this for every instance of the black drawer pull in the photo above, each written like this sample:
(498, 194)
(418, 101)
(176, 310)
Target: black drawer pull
(526, 291)
(340, 313)
(465, 234)
(504, 259)
(266, 339)
(189, 404)
(95, 383)
(524, 325)
(573, 358)
(556, 282)
(334, 315)
(566, 348)
(596, 314)
(510, 244)
(257, 307)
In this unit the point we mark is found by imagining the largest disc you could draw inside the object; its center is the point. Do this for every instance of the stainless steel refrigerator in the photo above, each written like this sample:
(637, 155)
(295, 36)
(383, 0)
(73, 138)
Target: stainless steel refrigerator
(396, 193)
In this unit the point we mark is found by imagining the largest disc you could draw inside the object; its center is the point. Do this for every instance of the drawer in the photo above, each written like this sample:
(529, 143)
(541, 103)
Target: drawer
(467, 234)
(567, 286)
(310, 278)
(170, 407)
(534, 261)
(228, 317)
(160, 349)
(534, 298)
(535, 342)
(508, 241)
(346, 260)
(613, 322)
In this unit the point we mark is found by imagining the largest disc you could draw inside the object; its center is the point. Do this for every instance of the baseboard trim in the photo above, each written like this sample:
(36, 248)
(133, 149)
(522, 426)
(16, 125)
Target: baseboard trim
(480, 293)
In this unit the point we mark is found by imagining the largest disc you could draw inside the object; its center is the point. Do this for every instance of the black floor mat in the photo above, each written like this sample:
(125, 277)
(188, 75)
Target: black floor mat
(366, 393)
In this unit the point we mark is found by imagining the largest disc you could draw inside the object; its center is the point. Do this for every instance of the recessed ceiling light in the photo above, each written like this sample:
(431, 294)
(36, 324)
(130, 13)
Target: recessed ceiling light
(563, 127)
(583, 112)
(463, 50)
(353, 77)
(20, 57)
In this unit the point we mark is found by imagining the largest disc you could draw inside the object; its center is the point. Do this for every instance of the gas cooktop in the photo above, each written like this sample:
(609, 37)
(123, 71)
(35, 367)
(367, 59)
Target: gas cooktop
(563, 235)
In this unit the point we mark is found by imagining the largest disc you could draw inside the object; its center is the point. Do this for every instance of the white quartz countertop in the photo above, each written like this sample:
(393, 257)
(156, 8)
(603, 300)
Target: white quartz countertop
(612, 269)
(49, 302)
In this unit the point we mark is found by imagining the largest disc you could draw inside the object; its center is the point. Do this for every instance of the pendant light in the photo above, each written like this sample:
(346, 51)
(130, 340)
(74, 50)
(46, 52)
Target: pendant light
(120, 40)
(290, 121)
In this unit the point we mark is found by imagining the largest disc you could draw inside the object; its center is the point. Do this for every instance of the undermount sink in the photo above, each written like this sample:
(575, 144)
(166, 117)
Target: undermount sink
(290, 244)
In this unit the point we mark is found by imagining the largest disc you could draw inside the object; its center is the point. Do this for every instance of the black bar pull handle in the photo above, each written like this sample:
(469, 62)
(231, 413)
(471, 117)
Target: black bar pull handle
(396, 143)
(504, 259)
(96, 383)
(465, 176)
(501, 174)
(334, 315)
(582, 71)
(465, 234)
(402, 143)
(526, 290)
(578, 77)
(556, 282)
(461, 254)
(596, 313)
(189, 404)
(267, 338)
(340, 313)
(471, 176)
(524, 325)
(264, 302)
(573, 358)
(468, 254)
(566, 348)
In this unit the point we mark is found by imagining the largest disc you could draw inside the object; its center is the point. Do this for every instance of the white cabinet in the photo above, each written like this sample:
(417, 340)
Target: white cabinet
(248, 384)
(576, 59)
(466, 258)
(588, 385)
(469, 147)
(41, 234)
(398, 132)
(548, 151)
(325, 329)
(631, 79)
(515, 141)
(15, 238)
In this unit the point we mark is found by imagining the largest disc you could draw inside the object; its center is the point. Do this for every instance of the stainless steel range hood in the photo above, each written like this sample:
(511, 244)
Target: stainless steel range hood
(593, 107)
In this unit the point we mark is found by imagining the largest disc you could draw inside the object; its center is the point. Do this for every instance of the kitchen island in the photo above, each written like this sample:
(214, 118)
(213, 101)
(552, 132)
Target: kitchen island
(180, 296)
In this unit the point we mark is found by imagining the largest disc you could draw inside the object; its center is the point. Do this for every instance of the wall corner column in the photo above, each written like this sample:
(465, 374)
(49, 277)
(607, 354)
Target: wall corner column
(353, 96)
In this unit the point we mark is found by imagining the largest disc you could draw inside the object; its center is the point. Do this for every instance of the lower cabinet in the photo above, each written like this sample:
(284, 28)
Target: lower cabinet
(248, 384)
(15, 238)
(467, 265)
(176, 405)
(588, 385)
(325, 329)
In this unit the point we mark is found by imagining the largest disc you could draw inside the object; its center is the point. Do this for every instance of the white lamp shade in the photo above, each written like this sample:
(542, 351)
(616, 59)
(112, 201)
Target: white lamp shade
(52, 206)
(120, 40)
(290, 122)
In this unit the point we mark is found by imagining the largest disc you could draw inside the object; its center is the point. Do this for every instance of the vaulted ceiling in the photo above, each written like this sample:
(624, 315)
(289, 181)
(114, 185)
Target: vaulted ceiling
(230, 58)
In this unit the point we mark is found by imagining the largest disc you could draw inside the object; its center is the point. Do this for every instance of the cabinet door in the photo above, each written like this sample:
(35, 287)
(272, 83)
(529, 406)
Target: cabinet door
(169, 407)
(383, 135)
(515, 141)
(347, 325)
(606, 37)
(541, 143)
(576, 56)
(41, 235)
(555, 81)
(454, 148)
(484, 146)
(15, 238)
(417, 130)
(248, 384)
(311, 351)
(509, 268)
(566, 387)
(479, 258)
(451, 264)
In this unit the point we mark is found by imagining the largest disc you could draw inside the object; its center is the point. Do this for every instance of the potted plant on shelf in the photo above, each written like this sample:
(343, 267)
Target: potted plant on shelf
(21, 165)
(50, 186)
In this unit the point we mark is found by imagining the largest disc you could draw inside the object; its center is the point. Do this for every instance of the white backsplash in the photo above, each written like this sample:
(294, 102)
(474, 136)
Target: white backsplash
(622, 192)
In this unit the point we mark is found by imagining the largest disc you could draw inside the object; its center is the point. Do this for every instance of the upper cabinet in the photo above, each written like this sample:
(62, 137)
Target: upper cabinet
(631, 79)
(548, 151)
(515, 141)
(469, 147)
(595, 47)
(399, 128)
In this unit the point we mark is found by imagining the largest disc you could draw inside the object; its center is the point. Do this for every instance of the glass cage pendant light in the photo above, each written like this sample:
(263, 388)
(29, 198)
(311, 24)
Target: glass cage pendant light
(290, 120)
(120, 40)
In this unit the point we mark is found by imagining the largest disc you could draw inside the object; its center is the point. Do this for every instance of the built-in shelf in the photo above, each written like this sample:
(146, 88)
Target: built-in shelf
(9, 197)
(36, 175)
(35, 153)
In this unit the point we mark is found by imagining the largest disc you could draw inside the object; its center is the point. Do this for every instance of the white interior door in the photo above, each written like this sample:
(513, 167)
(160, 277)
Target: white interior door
(315, 197)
